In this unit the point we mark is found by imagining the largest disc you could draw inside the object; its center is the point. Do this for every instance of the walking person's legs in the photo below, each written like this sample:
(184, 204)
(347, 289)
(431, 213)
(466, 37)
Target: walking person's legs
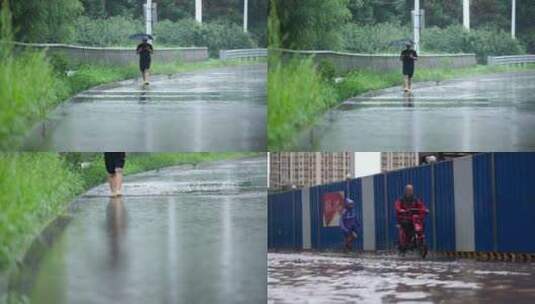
(406, 83)
(118, 177)
(114, 166)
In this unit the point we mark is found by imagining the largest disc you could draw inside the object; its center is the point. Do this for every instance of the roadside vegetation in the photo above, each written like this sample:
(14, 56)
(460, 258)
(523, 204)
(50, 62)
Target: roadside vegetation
(35, 188)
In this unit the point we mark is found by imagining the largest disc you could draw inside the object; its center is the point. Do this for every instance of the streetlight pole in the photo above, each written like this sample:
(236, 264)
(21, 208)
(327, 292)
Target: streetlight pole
(466, 14)
(198, 10)
(416, 24)
(513, 20)
(148, 18)
(245, 15)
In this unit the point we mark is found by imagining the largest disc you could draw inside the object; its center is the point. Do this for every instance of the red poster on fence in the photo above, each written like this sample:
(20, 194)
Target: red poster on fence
(333, 204)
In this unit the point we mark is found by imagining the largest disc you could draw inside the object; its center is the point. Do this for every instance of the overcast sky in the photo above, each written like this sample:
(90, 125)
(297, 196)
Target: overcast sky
(367, 163)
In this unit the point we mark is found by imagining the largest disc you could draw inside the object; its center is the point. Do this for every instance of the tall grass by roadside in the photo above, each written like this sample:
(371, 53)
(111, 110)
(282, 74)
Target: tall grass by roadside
(37, 187)
(296, 95)
(34, 188)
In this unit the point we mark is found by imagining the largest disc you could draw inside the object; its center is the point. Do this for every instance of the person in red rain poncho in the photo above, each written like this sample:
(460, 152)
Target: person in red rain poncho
(403, 205)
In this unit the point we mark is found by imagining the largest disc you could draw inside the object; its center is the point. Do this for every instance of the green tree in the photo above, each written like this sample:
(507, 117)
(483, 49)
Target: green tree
(312, 24)
(45, 21)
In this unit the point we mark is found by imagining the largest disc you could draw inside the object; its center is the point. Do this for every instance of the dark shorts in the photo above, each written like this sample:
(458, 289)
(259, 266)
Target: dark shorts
(114, 160)
(408, 70)
(144, 63)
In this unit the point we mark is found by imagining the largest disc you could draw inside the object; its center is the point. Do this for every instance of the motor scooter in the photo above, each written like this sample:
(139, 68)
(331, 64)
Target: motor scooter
(414, 238)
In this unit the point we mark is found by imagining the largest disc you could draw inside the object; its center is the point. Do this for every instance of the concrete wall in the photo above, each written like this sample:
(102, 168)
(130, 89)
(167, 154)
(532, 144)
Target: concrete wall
(346, 62)
(118, 56)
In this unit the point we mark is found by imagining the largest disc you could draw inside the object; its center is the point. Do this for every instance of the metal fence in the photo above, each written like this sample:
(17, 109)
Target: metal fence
(242, 54)
(510, 60)
(480, 203)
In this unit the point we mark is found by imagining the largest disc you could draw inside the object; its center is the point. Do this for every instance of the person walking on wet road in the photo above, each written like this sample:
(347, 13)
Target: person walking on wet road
(145, 50)
(349, 224)
(114, 162)
(408, 57)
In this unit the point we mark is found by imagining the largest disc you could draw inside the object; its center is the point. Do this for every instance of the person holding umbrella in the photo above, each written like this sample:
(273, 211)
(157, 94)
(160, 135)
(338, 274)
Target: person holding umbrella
(408, 57)
(145, 50)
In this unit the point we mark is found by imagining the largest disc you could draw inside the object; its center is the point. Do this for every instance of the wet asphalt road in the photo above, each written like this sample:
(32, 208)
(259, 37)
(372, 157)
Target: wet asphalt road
(179, 235)
(221, 109)
(309, 278)
(484, 113)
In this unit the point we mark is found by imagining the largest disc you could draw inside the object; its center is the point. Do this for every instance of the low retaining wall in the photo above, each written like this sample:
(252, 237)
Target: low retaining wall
(346, 62)
(480, 204)
(118, 56)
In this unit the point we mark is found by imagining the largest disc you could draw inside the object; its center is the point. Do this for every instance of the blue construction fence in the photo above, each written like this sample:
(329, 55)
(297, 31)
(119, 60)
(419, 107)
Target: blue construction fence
(479, 203)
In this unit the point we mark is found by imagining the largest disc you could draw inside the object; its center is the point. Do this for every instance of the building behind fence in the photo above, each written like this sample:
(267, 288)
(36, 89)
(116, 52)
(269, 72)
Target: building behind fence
(479, 203)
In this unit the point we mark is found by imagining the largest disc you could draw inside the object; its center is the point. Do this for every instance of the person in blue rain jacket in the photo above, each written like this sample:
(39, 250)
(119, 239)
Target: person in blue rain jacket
(349, 224)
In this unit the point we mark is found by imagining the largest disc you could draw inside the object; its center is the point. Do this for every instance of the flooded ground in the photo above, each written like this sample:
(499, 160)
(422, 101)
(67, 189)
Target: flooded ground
(484, 113)
(220, 109)
(179, 235)
(314, 278)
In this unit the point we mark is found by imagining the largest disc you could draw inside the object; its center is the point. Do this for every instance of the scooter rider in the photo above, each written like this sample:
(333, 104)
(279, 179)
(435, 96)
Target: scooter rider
(403, 207)
(349, 224)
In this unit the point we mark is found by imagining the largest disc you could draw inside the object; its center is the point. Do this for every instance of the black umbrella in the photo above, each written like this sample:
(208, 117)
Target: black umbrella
(140, 36)
(400, 43)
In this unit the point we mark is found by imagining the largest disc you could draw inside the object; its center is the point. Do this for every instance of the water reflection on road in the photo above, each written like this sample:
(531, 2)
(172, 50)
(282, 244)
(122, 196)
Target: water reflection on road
(484, 113)
(179, 235)
(312, 278)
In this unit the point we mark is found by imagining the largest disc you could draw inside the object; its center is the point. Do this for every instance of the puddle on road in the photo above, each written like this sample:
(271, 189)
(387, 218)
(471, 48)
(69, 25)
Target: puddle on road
(306, 278)
(185, 247)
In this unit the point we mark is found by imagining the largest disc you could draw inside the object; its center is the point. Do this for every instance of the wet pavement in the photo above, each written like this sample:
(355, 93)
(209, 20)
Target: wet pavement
(484, 113)
(221, 109)
(179, 235)
(312, 278)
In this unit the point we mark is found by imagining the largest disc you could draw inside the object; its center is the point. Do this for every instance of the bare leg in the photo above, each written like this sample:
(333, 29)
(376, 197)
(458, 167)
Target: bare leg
(146, 77)
(119, 181)
(406, 82)
(409, 83)
(110, 182)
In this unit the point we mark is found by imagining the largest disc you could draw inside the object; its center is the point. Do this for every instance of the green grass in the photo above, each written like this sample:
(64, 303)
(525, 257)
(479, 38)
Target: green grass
(360, 82)
(298, 94)
(37, 187)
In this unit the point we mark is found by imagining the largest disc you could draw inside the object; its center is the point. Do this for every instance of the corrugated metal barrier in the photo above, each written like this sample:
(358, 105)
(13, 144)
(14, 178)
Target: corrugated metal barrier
(480, 203)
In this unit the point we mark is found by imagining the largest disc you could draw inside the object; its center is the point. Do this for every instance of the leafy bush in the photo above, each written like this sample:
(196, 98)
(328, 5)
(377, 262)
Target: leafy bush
(214, 35)
(376, 38)
(483, 42)
(113, 31)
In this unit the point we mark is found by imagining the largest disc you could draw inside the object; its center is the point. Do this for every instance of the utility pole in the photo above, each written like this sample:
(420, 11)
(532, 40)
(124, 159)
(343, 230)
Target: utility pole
(198, 10)
(466, 14)
(245, 15)
(513, 20)
(416, 24)
(148, 18)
